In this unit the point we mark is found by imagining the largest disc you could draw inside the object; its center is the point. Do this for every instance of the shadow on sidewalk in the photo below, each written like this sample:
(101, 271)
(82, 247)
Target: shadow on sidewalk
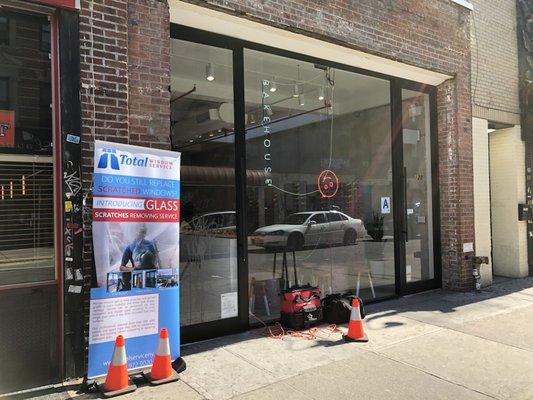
(447, 302)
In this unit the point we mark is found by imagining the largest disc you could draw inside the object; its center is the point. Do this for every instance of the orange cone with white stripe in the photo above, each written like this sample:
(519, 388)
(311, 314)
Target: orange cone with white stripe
(117, 380)
(162, 371)
(356, 332)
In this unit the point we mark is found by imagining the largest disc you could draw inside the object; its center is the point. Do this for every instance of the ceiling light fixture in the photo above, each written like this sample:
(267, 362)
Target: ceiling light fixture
(296, 92)
(321, 93)
(273, 86)
(302, 100)
(209, 72)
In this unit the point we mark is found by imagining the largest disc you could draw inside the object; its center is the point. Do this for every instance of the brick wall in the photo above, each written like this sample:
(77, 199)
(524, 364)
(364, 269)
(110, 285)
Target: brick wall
(125, 74)
(495, 60)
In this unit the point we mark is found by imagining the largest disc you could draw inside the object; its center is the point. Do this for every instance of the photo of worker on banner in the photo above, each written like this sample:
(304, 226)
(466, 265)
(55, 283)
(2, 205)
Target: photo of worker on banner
(136, 215)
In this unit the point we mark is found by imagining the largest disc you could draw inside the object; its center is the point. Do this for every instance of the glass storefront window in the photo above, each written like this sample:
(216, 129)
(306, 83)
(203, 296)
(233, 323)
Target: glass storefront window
(26, 170)
(316, 159)
(202, 129)
(319, 139)
(417, 169)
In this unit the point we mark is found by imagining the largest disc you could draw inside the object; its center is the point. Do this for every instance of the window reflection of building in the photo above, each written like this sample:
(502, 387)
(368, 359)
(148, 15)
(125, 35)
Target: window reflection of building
(342, 124)
(202, 124)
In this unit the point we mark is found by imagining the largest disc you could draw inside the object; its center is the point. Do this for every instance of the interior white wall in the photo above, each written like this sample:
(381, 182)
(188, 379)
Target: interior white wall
(480, 146)
(507, 188)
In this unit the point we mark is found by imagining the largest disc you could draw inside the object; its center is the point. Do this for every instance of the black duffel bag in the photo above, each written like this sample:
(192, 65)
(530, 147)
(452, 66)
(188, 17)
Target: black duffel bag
(336, 308)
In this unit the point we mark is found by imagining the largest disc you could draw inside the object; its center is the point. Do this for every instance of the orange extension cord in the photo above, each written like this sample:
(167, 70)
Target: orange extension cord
(277, 331)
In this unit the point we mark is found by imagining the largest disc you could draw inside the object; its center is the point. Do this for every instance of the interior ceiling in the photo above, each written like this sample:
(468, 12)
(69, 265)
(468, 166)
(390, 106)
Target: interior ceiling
(351, 92)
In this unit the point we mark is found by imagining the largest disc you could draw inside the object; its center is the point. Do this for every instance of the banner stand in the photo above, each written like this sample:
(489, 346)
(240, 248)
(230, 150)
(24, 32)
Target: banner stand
(136, 205)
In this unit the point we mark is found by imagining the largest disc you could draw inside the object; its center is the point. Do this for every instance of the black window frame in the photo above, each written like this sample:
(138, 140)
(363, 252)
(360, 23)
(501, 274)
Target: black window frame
(5, 104)
(5, 40)
(238, 46)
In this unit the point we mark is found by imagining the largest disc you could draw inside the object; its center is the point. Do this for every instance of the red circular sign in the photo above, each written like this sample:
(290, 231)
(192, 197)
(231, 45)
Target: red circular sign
(328, 183)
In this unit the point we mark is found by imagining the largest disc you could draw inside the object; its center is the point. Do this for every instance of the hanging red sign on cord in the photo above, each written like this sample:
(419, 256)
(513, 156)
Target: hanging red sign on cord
(328, 183)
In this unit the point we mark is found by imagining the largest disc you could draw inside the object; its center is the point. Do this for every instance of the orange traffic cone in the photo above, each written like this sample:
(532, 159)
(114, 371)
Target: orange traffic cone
(162, 371)
(356, 332)
(117, 381)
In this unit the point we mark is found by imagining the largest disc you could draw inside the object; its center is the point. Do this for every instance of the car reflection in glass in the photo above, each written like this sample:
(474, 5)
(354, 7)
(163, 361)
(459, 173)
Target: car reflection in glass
(215, 222)
(310, 229)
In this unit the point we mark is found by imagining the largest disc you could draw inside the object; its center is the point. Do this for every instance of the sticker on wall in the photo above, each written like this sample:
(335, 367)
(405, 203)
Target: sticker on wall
(68, 206)
(74, 289)
(79, 275)
(328, 183)
(73, 139)
(229, 305)
(468, 247)
(7, 128)
(385, 205)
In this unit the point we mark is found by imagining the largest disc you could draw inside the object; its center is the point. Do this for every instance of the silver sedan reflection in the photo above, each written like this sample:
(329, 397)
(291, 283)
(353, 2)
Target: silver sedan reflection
(309, 229)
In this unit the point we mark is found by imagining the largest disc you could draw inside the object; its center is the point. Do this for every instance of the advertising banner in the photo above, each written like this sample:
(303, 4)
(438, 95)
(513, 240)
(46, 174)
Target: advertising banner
(136, 203)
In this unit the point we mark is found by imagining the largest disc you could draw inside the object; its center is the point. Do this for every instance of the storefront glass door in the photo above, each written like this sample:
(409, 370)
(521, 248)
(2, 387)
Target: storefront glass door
(202, 129)
(418, 267)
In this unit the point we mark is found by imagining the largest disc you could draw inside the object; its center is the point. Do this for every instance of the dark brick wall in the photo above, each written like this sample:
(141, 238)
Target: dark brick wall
(125, 70)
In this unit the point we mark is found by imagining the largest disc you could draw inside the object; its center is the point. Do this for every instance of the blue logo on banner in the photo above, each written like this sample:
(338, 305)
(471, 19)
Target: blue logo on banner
(108, 156)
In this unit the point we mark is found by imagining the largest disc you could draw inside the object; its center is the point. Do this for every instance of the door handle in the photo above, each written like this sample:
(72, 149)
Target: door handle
(406, 230)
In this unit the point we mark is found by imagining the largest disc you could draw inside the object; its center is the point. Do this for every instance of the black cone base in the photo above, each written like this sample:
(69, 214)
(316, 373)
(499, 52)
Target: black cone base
(364, 339)
(172, 378)
(112, 393)
(179, 365)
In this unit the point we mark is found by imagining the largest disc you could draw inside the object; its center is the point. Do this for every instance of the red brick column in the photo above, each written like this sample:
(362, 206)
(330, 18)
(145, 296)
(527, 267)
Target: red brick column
(456, 182)
(149, 73)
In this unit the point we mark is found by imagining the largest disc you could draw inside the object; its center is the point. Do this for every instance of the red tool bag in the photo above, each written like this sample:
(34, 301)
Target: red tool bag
(300, 305)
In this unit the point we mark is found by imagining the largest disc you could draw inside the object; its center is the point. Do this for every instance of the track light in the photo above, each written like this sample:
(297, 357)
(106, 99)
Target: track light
(296, 92)
(273, 86)
(209, 73)
(321, 93)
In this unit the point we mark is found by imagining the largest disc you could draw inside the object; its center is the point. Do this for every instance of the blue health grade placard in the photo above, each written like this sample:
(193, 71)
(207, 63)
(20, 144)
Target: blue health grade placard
(136, 206)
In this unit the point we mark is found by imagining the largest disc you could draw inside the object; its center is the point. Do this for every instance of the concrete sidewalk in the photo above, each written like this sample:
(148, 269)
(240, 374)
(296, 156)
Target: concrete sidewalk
(437, 345)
